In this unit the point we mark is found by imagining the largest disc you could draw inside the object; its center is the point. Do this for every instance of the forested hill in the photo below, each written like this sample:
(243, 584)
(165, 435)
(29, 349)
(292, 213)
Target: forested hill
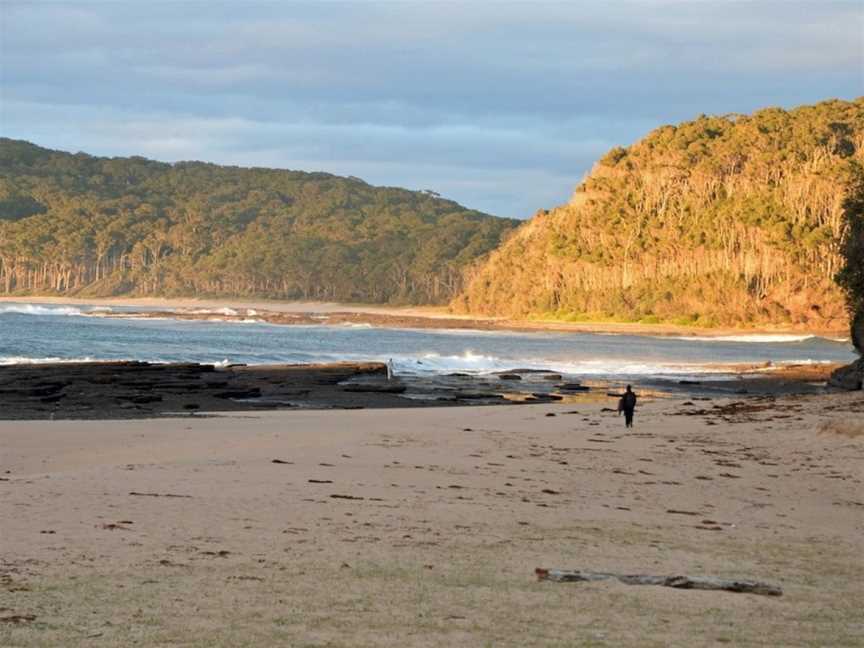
(732, 220)
(78, 224)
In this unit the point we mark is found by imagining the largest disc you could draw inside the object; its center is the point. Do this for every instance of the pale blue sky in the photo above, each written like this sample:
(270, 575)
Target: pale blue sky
(501, 106)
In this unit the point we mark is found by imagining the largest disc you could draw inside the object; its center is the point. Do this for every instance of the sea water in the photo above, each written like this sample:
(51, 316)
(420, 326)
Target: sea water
(34, 332)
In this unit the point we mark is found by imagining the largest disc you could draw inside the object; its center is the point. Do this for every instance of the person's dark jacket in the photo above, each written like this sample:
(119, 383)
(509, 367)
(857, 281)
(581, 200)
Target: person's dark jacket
(628, 401)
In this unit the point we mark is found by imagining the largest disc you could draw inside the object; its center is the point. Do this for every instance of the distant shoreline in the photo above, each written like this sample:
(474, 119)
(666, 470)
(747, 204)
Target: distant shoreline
(432, 317)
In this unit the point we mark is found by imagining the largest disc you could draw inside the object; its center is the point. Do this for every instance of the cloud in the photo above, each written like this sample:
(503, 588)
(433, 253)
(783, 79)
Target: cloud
(427, 95)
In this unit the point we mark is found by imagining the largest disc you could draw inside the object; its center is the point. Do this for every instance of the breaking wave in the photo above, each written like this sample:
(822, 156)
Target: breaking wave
(38, 309)
(13, 360)
(757, 338)
(238, 337)
(433, 363)
(215, 311)
(48, 309)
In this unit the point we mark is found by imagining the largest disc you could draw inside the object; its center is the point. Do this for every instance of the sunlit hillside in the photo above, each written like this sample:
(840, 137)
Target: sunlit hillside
(726, 220)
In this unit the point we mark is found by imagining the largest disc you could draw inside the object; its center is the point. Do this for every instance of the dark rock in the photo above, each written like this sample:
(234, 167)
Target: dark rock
(850, 377)
(145, 398)
(36, 391)
(134, 389)
(551, 397)
(181, 387)
(476, 396)
(255, 392)
(372, 388)
(572, 387)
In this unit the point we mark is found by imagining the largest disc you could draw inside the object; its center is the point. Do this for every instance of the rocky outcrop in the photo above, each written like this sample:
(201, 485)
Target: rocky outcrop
(130, 389)
(850, 377)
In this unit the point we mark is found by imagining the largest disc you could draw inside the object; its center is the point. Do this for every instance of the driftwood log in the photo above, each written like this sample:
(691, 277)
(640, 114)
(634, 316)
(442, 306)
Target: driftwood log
(678, 582)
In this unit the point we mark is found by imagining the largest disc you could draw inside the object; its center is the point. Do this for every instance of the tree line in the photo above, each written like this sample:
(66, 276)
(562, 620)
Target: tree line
(93, 226)
(724, 220)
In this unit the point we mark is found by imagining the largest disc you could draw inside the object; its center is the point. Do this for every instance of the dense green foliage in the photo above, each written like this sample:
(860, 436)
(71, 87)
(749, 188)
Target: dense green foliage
(78, 224)
(732, 220)
(851, 277)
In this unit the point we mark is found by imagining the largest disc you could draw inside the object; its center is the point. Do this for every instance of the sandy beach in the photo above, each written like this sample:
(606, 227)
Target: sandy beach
(419, 316)
(423, 527)
(324, 324)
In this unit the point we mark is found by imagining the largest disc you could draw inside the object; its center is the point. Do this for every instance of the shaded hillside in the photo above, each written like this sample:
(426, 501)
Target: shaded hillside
(78, 224)
(733, 220)
(851, 277)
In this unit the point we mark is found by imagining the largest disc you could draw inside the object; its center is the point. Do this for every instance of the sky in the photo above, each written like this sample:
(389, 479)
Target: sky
(502, 106)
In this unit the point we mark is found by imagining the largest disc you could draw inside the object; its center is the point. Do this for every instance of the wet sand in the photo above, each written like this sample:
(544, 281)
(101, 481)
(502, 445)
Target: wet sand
(423, 527)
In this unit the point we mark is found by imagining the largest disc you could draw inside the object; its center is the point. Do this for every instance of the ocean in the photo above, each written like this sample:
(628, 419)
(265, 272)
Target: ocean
(34, 333)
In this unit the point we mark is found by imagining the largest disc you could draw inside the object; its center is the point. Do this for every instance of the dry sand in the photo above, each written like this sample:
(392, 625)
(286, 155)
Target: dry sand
(450, 511)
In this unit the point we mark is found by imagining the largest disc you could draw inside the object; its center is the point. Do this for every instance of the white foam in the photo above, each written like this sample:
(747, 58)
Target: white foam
(755, 338)
(39, 309)
(245, 320)
(215, 311)
(46, 309)
(479, 364)
(435, 363)
(13, 360)
(142, 318)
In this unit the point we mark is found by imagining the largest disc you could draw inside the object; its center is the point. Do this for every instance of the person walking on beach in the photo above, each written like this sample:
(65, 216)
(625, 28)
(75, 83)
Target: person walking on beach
(627, 404)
